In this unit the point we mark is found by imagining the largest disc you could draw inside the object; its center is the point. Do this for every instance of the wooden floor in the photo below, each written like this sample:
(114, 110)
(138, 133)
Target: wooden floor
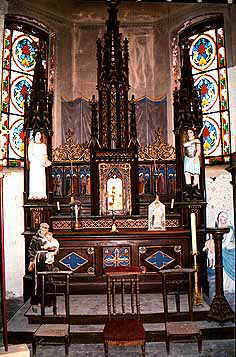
(88, 313)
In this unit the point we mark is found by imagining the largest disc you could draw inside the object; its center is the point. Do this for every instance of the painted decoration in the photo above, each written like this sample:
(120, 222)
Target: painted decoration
(57, 179)
(144, 179)
(159, 259)
(73, 261)
(114, 257)
(171, 178)
(156, 216)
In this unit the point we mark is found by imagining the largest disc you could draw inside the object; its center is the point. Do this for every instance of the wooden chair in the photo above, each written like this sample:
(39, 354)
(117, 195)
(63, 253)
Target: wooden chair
(123, 326)
(179, 278)
(54, 284)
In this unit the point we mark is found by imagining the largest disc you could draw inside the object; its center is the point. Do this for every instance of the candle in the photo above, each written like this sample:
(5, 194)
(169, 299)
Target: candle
(58, 206)
(76, 213)
(172, 203)
(194, 233)
(155, 166)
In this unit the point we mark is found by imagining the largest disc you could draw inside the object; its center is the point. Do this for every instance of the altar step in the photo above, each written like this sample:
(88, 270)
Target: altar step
(88, 313)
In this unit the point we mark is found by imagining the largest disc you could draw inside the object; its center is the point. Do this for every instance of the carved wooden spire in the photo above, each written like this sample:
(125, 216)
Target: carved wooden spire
(187, 101)
(38, 112)
(113, 85)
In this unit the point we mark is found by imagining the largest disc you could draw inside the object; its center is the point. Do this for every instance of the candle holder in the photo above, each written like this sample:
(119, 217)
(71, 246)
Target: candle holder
(220, 309)
(197, 296)
(77, 225)
(114, 227)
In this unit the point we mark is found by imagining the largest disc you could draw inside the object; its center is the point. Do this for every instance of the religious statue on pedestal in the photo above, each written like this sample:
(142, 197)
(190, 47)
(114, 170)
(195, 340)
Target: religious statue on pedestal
(156, 215)
(37, 154)
(192, 165)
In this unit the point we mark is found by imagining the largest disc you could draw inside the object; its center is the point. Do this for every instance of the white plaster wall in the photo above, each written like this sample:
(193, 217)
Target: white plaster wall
(13, 184)
(219, 192)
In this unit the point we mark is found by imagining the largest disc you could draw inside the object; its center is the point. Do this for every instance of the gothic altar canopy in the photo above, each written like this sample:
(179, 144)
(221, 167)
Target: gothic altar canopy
(112, 181)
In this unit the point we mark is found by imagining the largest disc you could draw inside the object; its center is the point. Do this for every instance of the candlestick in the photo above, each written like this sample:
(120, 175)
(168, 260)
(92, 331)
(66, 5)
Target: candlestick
(58, 206)
(172, 203)
(76, 213)
(194, 233)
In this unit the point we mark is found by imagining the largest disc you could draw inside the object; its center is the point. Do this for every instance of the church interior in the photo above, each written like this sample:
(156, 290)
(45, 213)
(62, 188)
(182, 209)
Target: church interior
(118, 166)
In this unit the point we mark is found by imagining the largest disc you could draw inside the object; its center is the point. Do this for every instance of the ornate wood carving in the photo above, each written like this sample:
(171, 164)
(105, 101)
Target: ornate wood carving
(70, 151)
(159, 150)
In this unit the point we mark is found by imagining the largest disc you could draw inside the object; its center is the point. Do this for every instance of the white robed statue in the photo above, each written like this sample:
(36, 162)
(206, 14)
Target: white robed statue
(114, 194)
(37, 155)
(156, 215)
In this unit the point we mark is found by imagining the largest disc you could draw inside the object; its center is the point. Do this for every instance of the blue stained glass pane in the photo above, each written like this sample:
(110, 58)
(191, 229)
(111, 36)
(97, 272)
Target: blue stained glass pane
(208, 88)
(24, 53)
(20, 90)
(211, 136)
(17, 139)
(202, 52)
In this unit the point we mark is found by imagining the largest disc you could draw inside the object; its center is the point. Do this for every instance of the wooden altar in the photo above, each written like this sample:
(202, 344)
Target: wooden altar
(112, 179)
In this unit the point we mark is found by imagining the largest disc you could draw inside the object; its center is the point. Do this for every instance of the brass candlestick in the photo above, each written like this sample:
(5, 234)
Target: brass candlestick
(113, 227)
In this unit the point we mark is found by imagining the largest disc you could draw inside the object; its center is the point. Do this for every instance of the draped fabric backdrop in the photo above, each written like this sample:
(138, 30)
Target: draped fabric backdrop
(150, 115)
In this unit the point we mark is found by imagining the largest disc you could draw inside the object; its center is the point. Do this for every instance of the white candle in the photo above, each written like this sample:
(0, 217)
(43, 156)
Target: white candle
(194, 233)
(76, 213)
(58, 206)
(155, 166)
(172, 203)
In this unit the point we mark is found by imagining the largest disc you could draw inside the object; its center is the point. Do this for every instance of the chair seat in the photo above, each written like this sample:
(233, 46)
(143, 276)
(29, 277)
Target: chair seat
(133, 269)
(130, 330)
(182, 328)
(48, 330)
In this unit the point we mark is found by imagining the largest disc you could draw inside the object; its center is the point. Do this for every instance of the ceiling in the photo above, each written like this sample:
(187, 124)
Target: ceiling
(168, 1)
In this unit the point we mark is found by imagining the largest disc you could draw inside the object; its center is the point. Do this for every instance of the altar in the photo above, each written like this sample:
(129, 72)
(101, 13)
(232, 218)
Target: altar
(99, 193)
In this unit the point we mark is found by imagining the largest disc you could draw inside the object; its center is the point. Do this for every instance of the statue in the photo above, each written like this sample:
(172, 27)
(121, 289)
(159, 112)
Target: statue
(228, 252)
(156, 215)
(192, 165)
(37, 154)
(114, 194)
(42, 250)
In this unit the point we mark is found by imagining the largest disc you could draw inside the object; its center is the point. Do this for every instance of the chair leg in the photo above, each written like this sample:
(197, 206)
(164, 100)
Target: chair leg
(34, 347)
(106, 349)
(168, 344)
(67, 342)
(143, 349)
(199, 342)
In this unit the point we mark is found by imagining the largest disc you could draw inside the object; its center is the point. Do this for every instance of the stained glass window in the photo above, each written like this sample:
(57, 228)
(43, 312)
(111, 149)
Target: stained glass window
(19, 54)
(209, 68)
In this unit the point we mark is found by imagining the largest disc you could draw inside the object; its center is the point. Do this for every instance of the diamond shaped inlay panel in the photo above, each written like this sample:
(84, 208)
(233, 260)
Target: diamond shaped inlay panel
(114, 257)
(73, 261)
(159, 259)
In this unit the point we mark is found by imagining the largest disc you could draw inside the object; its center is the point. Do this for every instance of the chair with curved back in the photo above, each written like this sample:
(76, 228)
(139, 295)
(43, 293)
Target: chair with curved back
(50, 332)
(123, 326)
(188, 328)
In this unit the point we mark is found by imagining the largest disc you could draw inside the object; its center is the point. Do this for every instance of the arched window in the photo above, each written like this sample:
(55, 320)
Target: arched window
(20, 44)
(209, 69)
